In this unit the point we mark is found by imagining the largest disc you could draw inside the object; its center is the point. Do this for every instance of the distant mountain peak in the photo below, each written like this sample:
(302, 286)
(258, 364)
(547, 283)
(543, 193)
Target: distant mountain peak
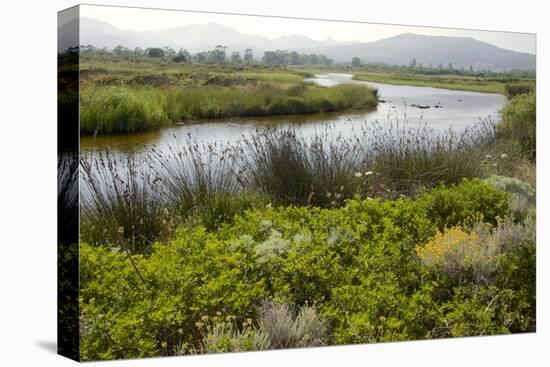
(435, 50)
(397, 50)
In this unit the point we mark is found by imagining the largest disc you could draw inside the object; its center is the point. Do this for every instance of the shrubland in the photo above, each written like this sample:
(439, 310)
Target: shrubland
(436, 265)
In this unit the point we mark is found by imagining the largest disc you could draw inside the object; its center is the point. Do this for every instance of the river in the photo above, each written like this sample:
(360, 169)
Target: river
(446, 109)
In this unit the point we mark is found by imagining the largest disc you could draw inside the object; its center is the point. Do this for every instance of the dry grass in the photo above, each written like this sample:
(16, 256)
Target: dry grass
(526, 171)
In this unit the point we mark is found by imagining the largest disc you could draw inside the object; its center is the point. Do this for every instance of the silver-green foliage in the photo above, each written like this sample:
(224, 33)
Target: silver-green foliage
(288, 329)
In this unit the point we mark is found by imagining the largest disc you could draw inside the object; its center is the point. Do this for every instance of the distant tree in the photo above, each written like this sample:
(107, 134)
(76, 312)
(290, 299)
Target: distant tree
(219, 54)
(270, 58)
(235, 57)
(211, 56)
(200, 57)
(170, 52)
(356, 62)
(155, 52)
(412, 64)
(138, 51)
(450, 66)
(182, 56)
(313, 59)
(471, 69)
(248, 56)
(88, 48)
(294, 58)
(283, 57)
(121, 50)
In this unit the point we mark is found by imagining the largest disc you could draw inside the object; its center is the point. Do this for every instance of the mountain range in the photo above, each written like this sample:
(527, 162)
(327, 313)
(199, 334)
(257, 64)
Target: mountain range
(396, 50)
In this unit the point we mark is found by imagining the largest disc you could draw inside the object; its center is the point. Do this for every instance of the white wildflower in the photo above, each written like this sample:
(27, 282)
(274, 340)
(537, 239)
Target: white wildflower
(358, 174)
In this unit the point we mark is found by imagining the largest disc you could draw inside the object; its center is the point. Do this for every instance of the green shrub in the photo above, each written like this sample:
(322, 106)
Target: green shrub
(514, 186)
(194, 275)
(518, 272)
(448, 208)
(357, 264)
(519, 118)
(515, 88)
(478, 312)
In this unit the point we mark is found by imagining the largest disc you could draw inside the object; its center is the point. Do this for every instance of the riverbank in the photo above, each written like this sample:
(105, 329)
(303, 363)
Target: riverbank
(127, 98)
(453, 83)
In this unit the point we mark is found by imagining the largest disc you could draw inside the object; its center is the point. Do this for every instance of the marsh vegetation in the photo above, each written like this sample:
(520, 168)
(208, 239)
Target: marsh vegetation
(119, 100)
(286, 239)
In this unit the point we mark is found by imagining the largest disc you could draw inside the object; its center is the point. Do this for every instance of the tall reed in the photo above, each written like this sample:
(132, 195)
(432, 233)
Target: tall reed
(140, 199)
(405, 157)
(122, 202)
(199, 181)
(291, 169)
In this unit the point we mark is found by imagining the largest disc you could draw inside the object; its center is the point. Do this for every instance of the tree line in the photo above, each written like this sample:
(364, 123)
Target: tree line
(416, 67)
(218, 55)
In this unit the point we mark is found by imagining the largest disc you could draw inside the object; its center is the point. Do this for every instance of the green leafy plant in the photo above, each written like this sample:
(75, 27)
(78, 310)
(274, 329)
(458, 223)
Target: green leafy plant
(519, 122)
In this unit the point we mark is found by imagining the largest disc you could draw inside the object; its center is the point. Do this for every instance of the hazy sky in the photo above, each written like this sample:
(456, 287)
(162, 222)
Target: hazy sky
(154, 19)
